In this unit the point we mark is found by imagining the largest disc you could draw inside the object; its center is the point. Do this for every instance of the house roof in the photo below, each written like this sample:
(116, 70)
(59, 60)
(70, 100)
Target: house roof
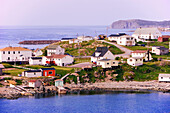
(105, 60)
(160, 47)
(48, 68)
(36, 50)
(56, 56)
(58, 80)
(32, 80)
(1, 66)
(117, 35)
(66, 38)
(140, 51)
(33, 71)
(146, 31)
(52, 46)
(164, 75)
(36, 58)
(14, 49)
(136, 57)
(165, 36)
(102, 50)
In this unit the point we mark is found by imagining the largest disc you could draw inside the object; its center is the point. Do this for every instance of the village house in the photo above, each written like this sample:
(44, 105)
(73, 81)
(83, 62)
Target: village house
(144, 34)
(1, 67)
(37, 52)
(48, 71)
(85, 38)
(164, 38)
(114, 37)
(35, 83)
(32, 73)
(35, 61)
(59, 82)
(107, 63)
(143, 54)
(15, 54)
(66, 39)
(122, 39)
(55, 49)
(164, 77)
(59, 60)
(160, 50)
(135, 61)
(101, 53)
(75, 41)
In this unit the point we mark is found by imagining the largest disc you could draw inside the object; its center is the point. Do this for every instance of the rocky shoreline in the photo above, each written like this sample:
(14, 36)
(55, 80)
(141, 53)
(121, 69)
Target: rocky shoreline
(122, 86)
(102, 87)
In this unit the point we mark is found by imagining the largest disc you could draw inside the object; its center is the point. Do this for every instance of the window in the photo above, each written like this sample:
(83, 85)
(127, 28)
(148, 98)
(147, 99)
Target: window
(136, 59)
(50, 72)
(107, 63)
(113, 62)
(8, 52)
(39, 60)
(131, 60)
(140, 59)
(13, 52)
(8, 58)
(18, 52)
(34, 73)
(3, 52)
(161, 77)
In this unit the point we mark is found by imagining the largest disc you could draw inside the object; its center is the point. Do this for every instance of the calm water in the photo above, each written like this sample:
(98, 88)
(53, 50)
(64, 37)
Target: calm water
(12, 35)
(97, 103)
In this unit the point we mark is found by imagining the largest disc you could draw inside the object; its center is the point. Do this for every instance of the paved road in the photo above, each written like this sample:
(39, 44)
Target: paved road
(80, 65)
(124, 55)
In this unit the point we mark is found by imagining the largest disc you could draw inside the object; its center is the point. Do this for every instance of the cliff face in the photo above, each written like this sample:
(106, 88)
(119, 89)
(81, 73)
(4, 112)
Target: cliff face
(136, 23)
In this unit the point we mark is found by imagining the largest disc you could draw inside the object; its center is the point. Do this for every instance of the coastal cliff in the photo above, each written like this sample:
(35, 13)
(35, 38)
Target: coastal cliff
(136, 23)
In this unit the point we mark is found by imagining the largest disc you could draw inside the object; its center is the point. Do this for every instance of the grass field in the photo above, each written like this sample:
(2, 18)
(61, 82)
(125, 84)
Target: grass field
(136, 48)
(14, 72)
(80, 60)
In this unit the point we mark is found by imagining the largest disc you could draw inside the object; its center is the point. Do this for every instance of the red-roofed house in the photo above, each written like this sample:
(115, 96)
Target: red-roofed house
(164, 38)
(59, 60)
(35, 83)
(142, 53)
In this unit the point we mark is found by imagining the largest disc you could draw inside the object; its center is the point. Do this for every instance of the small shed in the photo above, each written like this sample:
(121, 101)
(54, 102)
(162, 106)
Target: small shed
(1, 67)
(59, 82)
(32, 73)
(48, 71)
(164, 77)
(35, 83)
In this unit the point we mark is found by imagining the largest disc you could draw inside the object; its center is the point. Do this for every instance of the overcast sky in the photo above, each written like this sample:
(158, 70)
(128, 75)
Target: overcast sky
(79, 12)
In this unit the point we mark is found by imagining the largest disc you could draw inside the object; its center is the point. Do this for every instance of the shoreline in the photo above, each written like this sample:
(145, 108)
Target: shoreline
(102, 87)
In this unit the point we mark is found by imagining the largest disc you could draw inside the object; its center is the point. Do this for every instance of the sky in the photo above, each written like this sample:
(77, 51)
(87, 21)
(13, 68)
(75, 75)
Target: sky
(79, 12)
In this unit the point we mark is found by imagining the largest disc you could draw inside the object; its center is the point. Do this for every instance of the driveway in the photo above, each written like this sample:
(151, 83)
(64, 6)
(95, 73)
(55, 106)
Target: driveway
(80, 65)
(124, 55)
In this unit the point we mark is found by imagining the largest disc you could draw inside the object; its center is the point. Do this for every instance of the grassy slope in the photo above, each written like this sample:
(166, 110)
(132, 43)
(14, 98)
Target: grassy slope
(87, 48)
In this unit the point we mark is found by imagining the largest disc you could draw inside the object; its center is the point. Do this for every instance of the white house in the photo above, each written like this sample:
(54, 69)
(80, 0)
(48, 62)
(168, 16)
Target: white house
(32, 73)
(122, 39)
(135, 61)
(85, 38)
(37, 52)
(143, 54)
(160, 50)
(144, 34)
(55, 49)
(59, 60)
(35, 61)
(164, 78)
(107, 63)
(101, 53)
(35, 83)
(71, 41)
(13, 54)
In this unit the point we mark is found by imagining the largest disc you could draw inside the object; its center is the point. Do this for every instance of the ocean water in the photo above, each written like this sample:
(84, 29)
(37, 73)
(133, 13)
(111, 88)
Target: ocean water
(97, 103)
(11, 36)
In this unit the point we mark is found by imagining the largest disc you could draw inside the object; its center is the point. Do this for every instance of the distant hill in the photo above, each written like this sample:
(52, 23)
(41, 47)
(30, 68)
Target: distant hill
(136, 23)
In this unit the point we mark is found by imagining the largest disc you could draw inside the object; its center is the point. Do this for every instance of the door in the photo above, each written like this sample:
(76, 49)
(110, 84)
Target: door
(62, 64)
(45, 73)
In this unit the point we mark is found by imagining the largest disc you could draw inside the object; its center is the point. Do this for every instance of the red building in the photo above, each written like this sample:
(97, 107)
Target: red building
(48, 71)
(164, 38)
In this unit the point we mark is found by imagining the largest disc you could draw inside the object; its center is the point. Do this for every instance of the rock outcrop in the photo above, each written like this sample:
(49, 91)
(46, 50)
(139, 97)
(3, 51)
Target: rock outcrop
(136, 23)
